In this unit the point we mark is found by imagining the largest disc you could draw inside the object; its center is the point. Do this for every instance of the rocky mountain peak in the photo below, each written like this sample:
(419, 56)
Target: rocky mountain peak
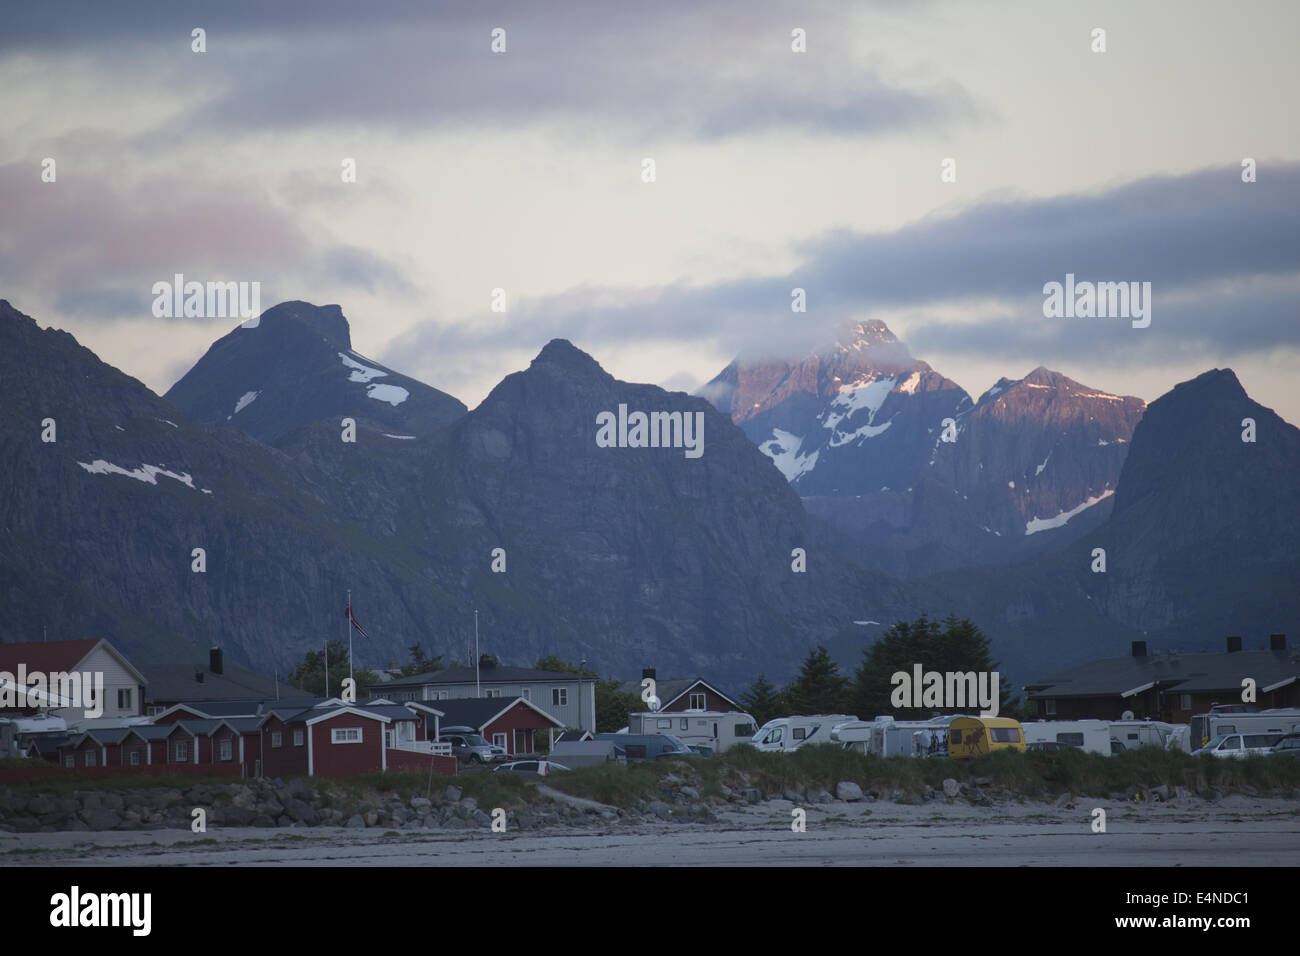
(325, 320)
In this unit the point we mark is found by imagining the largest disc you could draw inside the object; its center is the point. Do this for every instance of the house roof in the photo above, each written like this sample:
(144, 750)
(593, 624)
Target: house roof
(102, 735)
(44, 656)
(151, 731)
(573, 736)
(171, 683)
(1187, 673)
(241, 708)
(478, 712)
(672, 689)
(199, 728)
(487, 675)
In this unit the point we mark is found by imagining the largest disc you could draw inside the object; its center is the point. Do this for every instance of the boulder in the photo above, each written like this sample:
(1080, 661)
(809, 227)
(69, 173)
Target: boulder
(97, 818)
(951, 788)
(355, 822)
(848, 791)
(452, 793)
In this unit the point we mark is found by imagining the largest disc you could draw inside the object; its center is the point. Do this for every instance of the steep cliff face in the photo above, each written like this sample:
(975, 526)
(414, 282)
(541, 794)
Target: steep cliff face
(294, 365)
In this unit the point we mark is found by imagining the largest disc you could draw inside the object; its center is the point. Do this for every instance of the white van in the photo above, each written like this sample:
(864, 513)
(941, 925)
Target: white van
(1240, 745)
(710, 729)
(784, 734)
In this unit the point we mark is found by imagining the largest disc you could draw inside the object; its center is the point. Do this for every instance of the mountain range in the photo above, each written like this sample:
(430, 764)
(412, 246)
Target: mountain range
(627, 556)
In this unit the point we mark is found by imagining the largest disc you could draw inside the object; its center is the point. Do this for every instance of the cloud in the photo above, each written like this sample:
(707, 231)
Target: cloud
(1223, 258)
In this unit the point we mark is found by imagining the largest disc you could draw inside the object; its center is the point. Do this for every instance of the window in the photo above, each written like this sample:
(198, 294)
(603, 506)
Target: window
(664, 723)
(744, 730)
(560, 696)
(686, 724)
(1073, 740)
(499, 740)
(1133, 736)
(226, 750)
(1226, 728)
(697, 702)
(444, 694)
(526, 693)
(492, 692)
(1184, 701)
(135, 758)
(954, 736)
(275, 738)
(1049, 706)
(155, 711)
(1005, 735)
(345, 735)
(182, 751)
(124, 699)
(388, 739)
(1232, 743)
(799, 733)
(69, 762)
(92, 759)
(297, 738)
(1260, 740)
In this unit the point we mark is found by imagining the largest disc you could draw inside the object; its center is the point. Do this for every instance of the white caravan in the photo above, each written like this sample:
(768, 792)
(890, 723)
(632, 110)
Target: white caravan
(784, 734)
(1090, 735)
(697, 728)
(886, 737)
(1130, 734)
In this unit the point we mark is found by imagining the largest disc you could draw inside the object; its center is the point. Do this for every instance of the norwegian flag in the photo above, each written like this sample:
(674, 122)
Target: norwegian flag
(347, 612)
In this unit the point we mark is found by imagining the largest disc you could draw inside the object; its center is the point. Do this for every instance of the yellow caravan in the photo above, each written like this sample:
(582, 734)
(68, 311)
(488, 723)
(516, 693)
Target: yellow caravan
(972, 736)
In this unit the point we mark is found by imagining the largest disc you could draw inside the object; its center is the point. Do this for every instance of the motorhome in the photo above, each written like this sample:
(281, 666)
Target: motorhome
(974, 736)
(886, 737)
(1281, 721)
(784, 734)
(1092, 736)
(715, 730)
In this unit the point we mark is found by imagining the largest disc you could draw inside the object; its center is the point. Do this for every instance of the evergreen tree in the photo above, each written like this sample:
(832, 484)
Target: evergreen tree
(819, 688)
(763, 701)
(309, 675)
(419, 664)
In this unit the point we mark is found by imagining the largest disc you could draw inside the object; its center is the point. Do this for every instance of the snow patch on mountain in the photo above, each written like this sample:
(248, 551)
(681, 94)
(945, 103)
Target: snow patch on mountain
(244, 401)
(1040, 468)
(909, 384)
(146, 473)
(1042, 524)
(360, 373)
(783, 449)
(392, 394)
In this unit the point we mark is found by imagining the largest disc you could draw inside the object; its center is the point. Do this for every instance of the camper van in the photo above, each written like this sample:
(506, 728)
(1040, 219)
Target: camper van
(974, 736)
(1219, 723)
(714, 730)
(886, 737)
(1092, 736)
(1130, 734)
(784, 734)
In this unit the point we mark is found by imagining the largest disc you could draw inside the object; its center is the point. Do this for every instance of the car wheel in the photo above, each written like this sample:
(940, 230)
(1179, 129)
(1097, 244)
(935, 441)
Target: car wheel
(475, 758)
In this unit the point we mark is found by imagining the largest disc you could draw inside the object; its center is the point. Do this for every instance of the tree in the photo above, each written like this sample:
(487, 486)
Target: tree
(820, 688)
(309, 675)
(949, 646)
(763, 701)
(419, 664)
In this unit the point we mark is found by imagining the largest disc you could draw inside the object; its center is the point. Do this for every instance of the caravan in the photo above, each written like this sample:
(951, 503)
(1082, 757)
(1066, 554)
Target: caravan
(886, 737)
(1131, 734)
(784, 734)
(975, 736)
(1093, 736)
(715, 731)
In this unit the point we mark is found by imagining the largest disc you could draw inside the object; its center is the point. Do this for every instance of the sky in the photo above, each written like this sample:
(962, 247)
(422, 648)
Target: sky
(523, 171)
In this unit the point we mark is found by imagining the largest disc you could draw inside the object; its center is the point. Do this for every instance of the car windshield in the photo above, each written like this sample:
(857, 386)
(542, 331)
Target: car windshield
(474, 740)
(1214, 742)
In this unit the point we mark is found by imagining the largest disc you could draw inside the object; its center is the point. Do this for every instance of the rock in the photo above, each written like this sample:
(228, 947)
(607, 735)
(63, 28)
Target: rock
(819, 795)
(455, 823)
(111, 801)
(1065, 800)
(469, 803)
(726, 791)
(300, 811)
(371, 817)
(355, 822)
(951, 788)
(481, 818)
(300, 788)
(420, 803)
(1160, 793)
(848, 791)
(452, 793)
(661, 809)
(263, 820)
(98, 818)
(236, 816)
(794, 796)
(690, 793)
(40, 805)
(983, 781)
(750, 795)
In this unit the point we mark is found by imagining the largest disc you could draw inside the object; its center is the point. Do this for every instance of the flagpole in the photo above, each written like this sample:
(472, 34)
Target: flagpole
(349, 624)
(327, 667)
(478, 688)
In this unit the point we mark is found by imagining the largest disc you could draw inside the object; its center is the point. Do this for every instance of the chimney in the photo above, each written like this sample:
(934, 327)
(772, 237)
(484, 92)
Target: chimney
(648, 672)
(214, 660)
(1234, 645)
(198, 677)
(1277, 642)
(1139, 648)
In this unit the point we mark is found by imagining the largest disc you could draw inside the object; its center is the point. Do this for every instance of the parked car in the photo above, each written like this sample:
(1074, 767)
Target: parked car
(1288, 746)
(1240, 745)
(532, 768)
(468, 746)
(1049, 746)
